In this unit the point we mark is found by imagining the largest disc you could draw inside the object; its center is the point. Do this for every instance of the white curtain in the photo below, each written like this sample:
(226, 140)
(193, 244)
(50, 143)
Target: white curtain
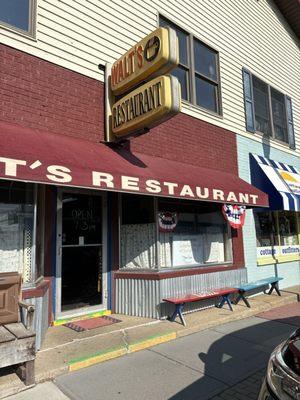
(138, 246)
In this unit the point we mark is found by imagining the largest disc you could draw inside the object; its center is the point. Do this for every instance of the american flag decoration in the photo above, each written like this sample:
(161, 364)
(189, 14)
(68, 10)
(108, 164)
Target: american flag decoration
(234, 214)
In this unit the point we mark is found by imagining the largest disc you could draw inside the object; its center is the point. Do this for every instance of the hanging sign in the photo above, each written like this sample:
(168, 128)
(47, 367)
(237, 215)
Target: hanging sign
(156, 54)
(167, 221)
(147, 106)
(235, 215)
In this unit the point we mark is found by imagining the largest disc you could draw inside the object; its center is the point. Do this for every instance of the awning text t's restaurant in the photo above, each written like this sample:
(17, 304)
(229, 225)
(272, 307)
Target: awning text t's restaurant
(35, 156)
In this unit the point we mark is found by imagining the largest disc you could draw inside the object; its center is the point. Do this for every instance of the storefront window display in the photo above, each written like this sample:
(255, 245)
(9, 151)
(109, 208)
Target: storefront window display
(167, 233)
(18, 232)
(277, 235)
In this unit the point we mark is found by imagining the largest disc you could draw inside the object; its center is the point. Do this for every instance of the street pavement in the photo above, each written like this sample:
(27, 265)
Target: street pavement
(221, 363)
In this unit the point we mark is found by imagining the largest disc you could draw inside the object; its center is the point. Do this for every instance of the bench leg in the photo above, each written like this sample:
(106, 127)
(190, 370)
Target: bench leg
(276, 287)
(178, 311)
(26, 373)
(225, 299)
(241, 296)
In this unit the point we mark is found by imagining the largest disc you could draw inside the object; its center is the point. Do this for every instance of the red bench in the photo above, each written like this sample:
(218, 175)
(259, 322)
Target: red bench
(179, 302)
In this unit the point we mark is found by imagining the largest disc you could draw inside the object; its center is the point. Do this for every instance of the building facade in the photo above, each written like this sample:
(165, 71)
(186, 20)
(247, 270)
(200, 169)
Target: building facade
(95, 228)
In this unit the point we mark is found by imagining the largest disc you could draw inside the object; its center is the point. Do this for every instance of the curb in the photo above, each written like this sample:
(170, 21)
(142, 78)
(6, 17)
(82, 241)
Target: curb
(109, 354)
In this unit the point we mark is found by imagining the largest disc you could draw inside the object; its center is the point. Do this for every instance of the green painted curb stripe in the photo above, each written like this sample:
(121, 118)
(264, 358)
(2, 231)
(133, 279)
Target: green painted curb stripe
(100, 353)
(153, 337)
(112, 349)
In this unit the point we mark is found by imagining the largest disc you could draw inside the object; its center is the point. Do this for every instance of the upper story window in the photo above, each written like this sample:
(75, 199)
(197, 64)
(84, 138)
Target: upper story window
(18, 15)
(198, 70)
(268, 111)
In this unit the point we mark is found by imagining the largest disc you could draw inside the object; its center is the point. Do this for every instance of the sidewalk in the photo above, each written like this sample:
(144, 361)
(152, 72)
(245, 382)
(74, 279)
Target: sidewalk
(65, 350)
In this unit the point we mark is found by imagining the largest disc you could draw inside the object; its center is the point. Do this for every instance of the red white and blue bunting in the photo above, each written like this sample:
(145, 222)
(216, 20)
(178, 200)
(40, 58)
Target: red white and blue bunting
(167, 221)
(234, 214)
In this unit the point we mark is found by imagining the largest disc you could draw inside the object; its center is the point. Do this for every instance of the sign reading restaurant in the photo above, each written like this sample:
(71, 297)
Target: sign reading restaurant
(150, 102)
(148, 105)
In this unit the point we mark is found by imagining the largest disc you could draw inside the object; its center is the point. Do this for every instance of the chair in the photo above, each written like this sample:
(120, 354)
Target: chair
(17, 338)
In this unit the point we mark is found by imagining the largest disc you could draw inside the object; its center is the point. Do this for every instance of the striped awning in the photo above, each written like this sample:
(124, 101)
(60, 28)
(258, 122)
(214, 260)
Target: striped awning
(280, 181)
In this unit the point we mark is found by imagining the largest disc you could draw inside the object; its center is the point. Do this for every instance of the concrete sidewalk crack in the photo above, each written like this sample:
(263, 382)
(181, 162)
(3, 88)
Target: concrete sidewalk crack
(125, 339)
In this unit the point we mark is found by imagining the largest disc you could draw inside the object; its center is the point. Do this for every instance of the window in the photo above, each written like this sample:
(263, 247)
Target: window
(18, 15)
(198, 70)
(18, 230)
(261, 102)
(277, 235)
(138, 232)
(267, 110)
(200, 235)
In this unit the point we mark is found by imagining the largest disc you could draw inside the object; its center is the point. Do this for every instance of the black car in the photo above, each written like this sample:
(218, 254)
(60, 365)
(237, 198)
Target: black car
(282, 381)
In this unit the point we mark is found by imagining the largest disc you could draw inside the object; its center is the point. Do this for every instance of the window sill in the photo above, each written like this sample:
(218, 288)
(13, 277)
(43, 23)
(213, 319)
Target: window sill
(271, 139)
(19, 32)
(196, 108)
(165, 274)
(278, 260)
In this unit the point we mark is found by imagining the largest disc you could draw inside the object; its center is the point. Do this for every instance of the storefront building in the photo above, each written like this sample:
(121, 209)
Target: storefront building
(94, 227)
(272, 235)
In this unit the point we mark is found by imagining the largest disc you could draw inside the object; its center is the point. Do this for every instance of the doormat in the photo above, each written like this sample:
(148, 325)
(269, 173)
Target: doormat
(92, 323)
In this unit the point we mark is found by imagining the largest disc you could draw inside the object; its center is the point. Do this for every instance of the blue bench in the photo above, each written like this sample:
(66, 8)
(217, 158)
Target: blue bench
(243, 289)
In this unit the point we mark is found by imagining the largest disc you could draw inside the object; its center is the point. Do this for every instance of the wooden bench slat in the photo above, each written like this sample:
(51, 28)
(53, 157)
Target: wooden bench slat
(5, 335)
(19, 330)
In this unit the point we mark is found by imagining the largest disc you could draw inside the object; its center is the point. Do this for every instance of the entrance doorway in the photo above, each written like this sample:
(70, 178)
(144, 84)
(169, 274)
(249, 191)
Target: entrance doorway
(81, 253)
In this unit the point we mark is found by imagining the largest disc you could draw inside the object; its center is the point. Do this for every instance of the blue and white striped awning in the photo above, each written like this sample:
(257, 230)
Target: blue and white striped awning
(280, 181)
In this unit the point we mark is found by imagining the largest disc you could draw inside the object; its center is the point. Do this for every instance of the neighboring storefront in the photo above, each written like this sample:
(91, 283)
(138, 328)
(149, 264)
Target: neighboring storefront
(272, 245)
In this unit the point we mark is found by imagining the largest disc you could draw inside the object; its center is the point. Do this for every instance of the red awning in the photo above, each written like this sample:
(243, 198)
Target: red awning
(37, 156)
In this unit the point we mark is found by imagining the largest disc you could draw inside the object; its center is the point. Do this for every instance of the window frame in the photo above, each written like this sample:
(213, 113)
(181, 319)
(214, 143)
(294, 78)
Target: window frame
(31, 33)
(270, 110)
(192, 73)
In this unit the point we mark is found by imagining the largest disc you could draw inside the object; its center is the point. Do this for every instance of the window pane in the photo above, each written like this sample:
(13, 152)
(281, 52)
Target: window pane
(138, 232)
(206, 94)
(287, 228)
(205, 60)
(15, 13)
(261, 104)
(200, 237)
(265, 226)
(182, 76)
(16, 228)
(182, 41)
(279, 115)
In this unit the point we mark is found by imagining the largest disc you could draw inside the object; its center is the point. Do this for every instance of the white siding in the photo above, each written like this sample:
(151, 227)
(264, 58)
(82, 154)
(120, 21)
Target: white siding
(80, 34)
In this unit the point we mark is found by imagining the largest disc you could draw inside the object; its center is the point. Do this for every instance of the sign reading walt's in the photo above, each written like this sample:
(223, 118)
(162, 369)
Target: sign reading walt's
(156, 54)
(150, 103)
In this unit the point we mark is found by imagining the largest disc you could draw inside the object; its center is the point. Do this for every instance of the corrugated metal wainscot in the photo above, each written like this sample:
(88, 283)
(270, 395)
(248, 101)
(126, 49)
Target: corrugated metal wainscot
(143, 297)
(41, 320)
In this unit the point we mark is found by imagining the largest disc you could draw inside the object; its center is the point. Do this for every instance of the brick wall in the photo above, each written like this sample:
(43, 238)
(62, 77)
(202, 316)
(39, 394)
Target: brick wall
(40, 95)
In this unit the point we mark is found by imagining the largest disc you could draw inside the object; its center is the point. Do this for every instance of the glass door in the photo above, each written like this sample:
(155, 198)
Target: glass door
(80, 251)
